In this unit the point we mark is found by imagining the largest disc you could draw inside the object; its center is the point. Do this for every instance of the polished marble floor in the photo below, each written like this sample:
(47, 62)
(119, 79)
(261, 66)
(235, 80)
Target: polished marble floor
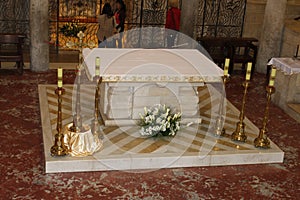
(22, 162)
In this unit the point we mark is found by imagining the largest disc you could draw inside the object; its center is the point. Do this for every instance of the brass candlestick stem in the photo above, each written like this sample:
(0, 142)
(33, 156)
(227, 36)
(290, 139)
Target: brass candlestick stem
(95, 127)
(59, 149)
(239, 133)
(262, 141)
(77, 118)
(219, 125)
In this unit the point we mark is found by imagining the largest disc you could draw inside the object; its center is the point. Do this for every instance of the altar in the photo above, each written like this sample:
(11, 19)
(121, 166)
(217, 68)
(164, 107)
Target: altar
(185, 80)
(137, 78)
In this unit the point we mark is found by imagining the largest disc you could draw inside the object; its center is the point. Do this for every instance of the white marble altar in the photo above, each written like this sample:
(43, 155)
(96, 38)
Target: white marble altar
(138, 78)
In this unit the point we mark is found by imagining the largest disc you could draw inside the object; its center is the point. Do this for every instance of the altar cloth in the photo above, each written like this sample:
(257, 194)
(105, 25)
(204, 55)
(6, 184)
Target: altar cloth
(165, 65)
(289, 66)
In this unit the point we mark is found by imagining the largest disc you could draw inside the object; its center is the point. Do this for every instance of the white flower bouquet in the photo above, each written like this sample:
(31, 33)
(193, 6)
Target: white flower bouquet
(159, 120)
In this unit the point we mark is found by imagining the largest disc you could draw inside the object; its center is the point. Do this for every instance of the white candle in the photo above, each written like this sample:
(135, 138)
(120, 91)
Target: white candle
(248, 73)
(226, 66)
(273, 72)
(272, 77)
(97, 70)
(59, 77)
(271, 82)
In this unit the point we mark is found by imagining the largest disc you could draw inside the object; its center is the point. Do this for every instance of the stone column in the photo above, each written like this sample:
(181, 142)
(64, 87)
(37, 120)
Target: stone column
(39, 35)
(271, 36)
(187, 20)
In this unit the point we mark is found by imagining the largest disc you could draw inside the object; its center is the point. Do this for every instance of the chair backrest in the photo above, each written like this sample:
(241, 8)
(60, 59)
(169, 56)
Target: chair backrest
(214, 45)
(10, 39)
(11, 42)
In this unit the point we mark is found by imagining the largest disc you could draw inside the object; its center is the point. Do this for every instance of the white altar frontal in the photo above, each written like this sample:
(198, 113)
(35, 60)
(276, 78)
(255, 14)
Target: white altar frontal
(138, 78)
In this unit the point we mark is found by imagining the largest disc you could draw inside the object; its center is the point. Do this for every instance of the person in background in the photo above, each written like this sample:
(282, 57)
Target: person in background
(106, 27)
(172, 22)
(120, 16)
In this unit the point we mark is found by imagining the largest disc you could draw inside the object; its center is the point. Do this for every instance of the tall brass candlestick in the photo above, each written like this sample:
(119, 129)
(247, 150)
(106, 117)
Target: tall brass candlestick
(95, 127)
(59, 149)
(219, 125)
(262, 141)
(239, 133)
(77, 118)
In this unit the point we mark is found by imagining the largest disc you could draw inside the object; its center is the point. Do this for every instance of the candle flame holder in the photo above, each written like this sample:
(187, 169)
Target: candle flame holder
(219, 129)
(59, 149)
(262, 141)
(239, 133)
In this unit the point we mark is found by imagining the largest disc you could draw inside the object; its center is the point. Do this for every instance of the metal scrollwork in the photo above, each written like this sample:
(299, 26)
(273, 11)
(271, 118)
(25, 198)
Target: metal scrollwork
(220, 18)
(14, 17)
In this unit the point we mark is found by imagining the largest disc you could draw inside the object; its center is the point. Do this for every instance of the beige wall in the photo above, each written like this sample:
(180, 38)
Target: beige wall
(255, 16)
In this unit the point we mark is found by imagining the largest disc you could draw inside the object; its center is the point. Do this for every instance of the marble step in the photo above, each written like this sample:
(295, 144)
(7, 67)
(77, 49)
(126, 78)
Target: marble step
(294, 110)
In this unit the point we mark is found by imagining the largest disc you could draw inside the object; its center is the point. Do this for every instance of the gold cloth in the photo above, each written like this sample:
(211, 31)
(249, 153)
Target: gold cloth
(81, 144)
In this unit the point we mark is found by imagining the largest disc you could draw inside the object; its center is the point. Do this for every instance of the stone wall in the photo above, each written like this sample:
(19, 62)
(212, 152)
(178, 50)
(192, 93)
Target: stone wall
(255, 16)
(291, 38)
(291, 34)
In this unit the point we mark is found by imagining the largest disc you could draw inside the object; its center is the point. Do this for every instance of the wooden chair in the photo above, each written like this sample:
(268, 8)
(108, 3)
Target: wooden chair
(11, 50)
(242, 51)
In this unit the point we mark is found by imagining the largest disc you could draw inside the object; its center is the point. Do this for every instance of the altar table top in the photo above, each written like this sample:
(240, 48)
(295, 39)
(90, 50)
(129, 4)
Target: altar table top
(289, 66)
(140, 65)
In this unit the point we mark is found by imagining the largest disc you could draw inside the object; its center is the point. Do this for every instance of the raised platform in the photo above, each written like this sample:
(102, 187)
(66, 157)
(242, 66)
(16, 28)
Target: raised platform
(293, 109)
(124, 149)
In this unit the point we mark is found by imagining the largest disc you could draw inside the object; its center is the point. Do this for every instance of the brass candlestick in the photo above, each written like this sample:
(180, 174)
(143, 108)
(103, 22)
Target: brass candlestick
(77, 118)
(219, 125)
(239, 133)
(262, 141)
(59, 149)
(95, 126)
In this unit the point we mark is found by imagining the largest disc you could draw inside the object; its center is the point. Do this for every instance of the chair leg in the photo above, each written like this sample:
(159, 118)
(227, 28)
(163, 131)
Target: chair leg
(253, 69)
(20, 68)
(231, 65)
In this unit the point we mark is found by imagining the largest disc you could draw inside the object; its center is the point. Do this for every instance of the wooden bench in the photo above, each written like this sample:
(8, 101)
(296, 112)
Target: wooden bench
(11, 50)
(240, 50)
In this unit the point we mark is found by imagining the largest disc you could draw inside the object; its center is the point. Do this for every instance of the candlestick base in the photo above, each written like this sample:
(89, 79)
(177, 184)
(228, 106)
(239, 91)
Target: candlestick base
(96, 129)
(262, 143)
(76, 124)
(239, 133)
(219, 130)
(59, 149)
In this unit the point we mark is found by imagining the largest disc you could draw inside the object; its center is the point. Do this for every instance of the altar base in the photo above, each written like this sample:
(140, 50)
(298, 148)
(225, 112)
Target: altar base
(125, 149)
